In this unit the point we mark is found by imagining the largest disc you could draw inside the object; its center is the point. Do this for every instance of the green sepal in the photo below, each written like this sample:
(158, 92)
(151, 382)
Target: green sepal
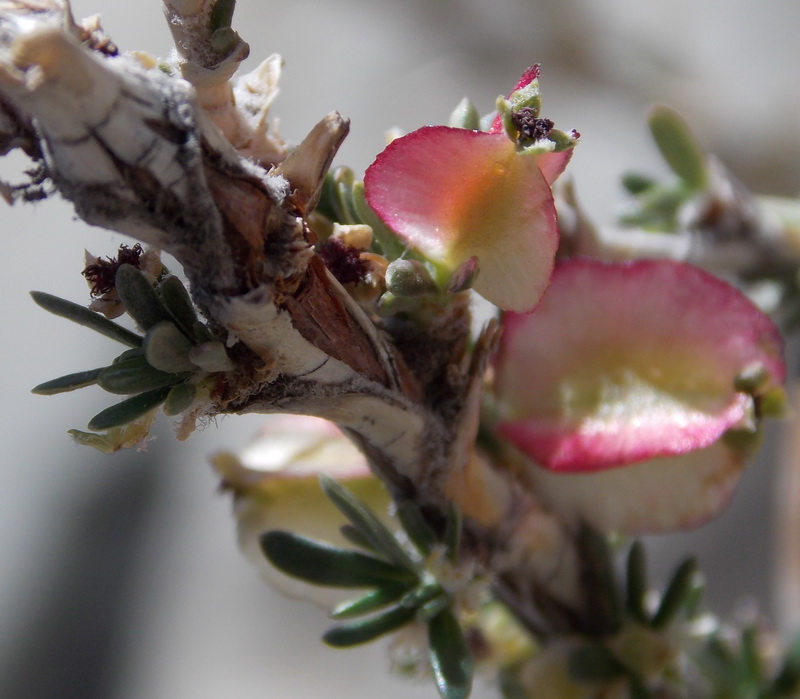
(128, 410)
(70, 382)
(180, 397)
(465, 116)
(373, 530)
(179, 304)
(83, 316)
(370, 602)
(322, 564)
(414, 524)
(450, 658)
(365, 630)
(636, 583)
(678, 146)
(167, 348)
(676, 594)
(139, 298)
(134, 375)
(593, 664)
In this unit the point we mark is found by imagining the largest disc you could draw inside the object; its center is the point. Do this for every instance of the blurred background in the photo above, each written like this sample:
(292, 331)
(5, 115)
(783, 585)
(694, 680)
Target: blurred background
(120, 575)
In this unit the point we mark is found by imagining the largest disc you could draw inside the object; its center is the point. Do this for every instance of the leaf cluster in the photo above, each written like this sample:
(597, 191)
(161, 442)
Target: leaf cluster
(400, 590)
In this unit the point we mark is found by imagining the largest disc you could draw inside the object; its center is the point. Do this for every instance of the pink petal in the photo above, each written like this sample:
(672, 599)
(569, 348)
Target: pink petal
(454, 194)
(625, 362)
(660, 495)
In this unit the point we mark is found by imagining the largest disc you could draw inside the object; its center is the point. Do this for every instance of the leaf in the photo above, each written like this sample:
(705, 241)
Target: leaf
(368, 603)
(66, 383)
(678, 146)
(128, 410)
(373, 530)
(676, 594)
(414, 524)
(139, 297)
(167, 348)
(636, 587)
(322, 564)
(450, 658)
(368, 629)
(593, 664)
(602, 593)
(83, 316)
(134, 375)
(179, 304)
(452, 533)
(180, 398)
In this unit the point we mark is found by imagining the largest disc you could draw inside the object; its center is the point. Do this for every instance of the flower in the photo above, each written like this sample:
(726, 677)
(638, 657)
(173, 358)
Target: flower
(275, 485)
(455, 194)
(646, 363)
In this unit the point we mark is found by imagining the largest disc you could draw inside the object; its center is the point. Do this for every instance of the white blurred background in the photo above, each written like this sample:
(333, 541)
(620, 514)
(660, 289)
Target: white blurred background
(120, 575)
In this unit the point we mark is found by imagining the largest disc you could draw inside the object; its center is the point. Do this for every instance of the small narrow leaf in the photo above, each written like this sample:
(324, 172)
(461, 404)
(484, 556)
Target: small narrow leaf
(322, 564)
(452, 533)
(676, 594)
(636, 588)
(450, 658)
(787, 682)
(83, 316)
(678, 146)
(414, 524)
(370, 602)
(139, 298)
(179, 304)
(167, 348)
(134, 375)
(128, 410)
(593, 664)
(373, 530)
(355, 537)
(423, 594)
(67, 383)
(368, 629)
(602, 592)
(180, 398)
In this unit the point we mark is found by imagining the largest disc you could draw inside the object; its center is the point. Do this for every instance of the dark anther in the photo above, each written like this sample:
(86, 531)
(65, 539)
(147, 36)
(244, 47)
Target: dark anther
(343, 261)
(101, 274)
(530, 127)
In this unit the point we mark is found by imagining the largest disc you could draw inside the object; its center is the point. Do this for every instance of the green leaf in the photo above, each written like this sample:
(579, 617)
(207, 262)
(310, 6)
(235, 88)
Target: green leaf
(180, 397)
(134, 375)
(414, 524)
(450, 658)
(636, 587)
(593, 664)
(422, 594)
(452, 533)
(139, 297)
(602, 593)
(676, 594)
(167, 348)
(368, 629)
(373, 530)
(322, 564)
(355, 537)
(678, 146)
(67, 383)
(221, 14)
(177, 301)
(128, 410)
(787, 682)
(636, 183)
(368, 603)
(83, 316)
